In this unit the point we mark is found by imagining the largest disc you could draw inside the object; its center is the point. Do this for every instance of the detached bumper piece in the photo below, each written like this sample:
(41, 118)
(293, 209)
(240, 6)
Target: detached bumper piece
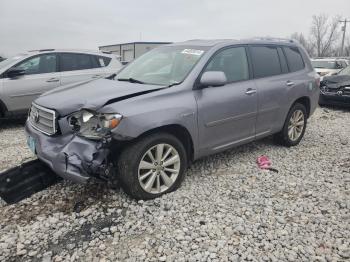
(25, 180)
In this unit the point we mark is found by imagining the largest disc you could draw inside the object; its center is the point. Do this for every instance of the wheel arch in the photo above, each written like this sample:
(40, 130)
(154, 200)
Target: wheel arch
(3, 108)
(180, 132)
(305, 101)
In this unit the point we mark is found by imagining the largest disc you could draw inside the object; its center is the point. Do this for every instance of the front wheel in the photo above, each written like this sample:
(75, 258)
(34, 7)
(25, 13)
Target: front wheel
(294, 126)
(152, 166)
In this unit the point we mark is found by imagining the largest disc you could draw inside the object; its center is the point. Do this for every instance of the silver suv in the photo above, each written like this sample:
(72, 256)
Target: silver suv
(171, 106)
(25, 76)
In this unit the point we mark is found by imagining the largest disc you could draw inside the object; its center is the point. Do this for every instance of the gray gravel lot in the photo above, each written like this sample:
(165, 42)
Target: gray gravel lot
(226, 210)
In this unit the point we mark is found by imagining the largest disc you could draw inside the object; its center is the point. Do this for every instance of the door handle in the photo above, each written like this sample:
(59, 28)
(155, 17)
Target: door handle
(53, 80)
(250, 91)
(96, 76)
(289, 83)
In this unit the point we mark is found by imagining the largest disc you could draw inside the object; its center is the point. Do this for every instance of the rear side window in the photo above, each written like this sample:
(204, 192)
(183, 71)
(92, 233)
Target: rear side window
(72, 62)
(233, 62)
(295, 61)
(265, 61)
(103, 61)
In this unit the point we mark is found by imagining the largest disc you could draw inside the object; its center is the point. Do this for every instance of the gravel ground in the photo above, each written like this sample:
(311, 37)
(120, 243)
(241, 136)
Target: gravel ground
(226, 210)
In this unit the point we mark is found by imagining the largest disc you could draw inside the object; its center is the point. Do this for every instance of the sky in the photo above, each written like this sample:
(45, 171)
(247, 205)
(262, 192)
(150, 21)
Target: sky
(87, 24)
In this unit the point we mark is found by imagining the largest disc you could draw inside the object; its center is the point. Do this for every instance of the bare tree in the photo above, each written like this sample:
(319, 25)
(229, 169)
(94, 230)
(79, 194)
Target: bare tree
(304, 42)
(324, 34)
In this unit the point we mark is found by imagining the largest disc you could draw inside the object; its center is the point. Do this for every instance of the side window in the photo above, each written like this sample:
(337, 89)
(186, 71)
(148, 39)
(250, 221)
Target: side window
(72, 62)
(39, 64)
(265, 61)
(233, 62)
(295, 61)
(103, 61)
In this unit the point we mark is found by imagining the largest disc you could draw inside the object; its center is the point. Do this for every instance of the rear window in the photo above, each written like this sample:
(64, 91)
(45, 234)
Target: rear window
(294, 59)
(265, 61)
(72, 62)
(103, 61)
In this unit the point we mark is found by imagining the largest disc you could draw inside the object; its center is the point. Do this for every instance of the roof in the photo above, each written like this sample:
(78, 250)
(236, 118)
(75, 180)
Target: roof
(136, 43)
(98, 52)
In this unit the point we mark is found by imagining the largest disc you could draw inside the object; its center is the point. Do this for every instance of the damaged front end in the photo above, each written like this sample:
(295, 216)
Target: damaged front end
(335, 90)
(79, 149)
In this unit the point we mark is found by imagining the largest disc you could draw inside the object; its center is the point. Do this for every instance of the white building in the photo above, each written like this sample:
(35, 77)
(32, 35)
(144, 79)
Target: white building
(129, 51)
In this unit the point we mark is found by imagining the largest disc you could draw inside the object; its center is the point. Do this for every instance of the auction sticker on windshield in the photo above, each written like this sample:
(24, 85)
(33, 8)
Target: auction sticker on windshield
(192, 52)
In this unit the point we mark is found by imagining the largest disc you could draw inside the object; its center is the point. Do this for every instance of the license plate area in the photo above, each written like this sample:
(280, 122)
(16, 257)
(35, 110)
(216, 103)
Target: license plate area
(31, 144)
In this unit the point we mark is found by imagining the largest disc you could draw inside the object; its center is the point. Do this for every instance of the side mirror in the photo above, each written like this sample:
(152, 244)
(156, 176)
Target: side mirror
(14, 72)
(213, 78)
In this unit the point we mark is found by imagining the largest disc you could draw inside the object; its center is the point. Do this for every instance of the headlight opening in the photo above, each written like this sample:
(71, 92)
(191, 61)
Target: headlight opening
(94, 125)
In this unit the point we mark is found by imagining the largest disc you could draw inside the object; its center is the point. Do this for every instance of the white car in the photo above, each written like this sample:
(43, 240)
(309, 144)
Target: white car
(329, 66)
(25, 76)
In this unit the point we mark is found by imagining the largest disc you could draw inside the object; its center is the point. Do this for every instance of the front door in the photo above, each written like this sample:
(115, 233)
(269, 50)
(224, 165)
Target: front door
(227, 114)
(40, 76)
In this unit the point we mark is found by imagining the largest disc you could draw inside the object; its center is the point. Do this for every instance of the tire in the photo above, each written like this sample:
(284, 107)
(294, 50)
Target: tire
(286, 138)
(136, 180)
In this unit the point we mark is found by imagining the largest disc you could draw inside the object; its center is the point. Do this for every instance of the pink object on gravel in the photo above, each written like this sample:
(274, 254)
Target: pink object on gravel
(263, 162)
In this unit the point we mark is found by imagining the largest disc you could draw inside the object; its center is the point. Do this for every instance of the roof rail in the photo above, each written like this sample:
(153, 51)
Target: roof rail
(42, 50)
(275, 39)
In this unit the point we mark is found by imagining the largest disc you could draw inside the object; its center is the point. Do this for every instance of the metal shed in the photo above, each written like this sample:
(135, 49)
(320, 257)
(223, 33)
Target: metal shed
(129, 51)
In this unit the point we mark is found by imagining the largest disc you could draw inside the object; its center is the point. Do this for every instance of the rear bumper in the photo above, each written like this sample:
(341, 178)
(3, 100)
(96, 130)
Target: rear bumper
(333, 99)
(69, 156)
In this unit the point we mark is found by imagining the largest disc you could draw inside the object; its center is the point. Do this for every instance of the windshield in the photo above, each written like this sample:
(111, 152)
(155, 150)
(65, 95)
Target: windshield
(325, 64)
(11, 60)
(166, 65)
(345, 71)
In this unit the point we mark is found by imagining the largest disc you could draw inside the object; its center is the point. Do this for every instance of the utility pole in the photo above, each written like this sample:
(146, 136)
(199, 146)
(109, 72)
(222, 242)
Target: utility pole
(344, 31)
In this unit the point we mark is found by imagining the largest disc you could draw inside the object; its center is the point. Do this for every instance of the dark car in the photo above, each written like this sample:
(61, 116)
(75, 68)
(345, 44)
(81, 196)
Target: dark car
(335, 89)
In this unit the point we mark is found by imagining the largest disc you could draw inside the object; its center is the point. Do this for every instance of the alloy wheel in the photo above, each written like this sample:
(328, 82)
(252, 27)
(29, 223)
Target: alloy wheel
(296, 125)
(159, 168)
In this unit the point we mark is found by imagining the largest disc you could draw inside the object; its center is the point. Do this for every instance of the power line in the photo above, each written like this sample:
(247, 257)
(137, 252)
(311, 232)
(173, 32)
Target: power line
(345, 21)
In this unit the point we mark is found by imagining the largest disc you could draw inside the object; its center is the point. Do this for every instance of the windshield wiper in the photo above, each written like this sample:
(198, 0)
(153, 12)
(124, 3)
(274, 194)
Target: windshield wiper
(131, 80)
(174, 84)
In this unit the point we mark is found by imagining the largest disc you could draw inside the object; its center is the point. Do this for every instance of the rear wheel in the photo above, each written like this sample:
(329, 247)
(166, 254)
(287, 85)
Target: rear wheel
(294, 126)
(152, 166)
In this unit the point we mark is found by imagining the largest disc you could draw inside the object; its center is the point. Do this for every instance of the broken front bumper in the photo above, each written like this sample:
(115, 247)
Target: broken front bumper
(70, 156)
(328, 98)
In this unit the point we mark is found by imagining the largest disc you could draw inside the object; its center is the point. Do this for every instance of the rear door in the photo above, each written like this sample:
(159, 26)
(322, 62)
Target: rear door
(76, 67)
(270, 69)
(40, 76)
(227, 114)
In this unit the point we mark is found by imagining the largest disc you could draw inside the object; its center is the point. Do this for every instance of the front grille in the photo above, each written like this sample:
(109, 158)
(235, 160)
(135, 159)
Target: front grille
(43, 119)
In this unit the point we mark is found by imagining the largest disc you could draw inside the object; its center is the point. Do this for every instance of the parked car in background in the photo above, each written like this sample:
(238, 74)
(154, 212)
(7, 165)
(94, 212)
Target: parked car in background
(335, 89)
(173, 105)
(25, 76)
(329, 66)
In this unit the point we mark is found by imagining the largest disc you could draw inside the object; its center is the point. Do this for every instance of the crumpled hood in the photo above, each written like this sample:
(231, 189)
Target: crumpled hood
(336, 81)
(91, 95)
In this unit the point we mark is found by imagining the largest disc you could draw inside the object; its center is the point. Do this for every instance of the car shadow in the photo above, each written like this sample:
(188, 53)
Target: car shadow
(6, 123)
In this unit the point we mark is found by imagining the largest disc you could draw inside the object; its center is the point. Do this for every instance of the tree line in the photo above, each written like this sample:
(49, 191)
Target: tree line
(325, 37)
